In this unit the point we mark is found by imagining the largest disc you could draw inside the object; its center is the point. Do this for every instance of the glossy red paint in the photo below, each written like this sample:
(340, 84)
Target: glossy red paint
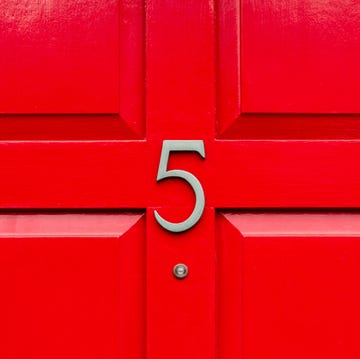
(291, 292)
(72, 285)
(59, 57)
(272, 89)
(180, 313)
(300, 56)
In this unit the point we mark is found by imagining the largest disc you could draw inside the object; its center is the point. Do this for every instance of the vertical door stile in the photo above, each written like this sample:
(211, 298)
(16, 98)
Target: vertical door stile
(180, 103)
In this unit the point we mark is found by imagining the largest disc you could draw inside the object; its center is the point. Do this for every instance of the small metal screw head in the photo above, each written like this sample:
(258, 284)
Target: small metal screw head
(180, 271)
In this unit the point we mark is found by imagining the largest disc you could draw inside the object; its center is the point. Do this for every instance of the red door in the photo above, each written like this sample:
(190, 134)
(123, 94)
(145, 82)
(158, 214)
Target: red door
(114, 113)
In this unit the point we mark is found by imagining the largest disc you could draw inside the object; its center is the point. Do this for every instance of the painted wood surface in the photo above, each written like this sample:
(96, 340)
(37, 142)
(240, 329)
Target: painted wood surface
(88, 92)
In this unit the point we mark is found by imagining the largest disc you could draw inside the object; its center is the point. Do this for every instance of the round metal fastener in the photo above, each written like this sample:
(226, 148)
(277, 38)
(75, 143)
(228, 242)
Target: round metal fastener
(180, 271)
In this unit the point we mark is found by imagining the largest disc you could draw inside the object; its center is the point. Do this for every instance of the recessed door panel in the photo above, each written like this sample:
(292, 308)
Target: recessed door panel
(59, 56)
(288, 286)
(283, 63)
(72, 285)
(300, 56)
(81, 57)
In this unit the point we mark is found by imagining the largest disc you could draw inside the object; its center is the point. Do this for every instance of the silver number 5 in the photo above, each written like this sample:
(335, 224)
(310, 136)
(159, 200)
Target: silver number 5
(182, 146)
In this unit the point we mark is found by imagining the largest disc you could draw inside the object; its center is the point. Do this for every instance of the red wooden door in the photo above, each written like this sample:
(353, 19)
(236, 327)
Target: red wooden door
(89, 91)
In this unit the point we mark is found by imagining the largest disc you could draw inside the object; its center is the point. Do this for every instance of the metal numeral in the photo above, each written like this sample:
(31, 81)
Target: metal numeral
(163, 173)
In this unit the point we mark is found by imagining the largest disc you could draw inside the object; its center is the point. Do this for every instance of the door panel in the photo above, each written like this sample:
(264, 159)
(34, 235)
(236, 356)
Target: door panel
(59, 57)
(72, 286)
(300, 56)
(290, 58)
(288, 285)
(72, 57)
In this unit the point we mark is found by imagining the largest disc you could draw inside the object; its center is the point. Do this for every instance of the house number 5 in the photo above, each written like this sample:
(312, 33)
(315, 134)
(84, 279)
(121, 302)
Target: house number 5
(163, 173)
